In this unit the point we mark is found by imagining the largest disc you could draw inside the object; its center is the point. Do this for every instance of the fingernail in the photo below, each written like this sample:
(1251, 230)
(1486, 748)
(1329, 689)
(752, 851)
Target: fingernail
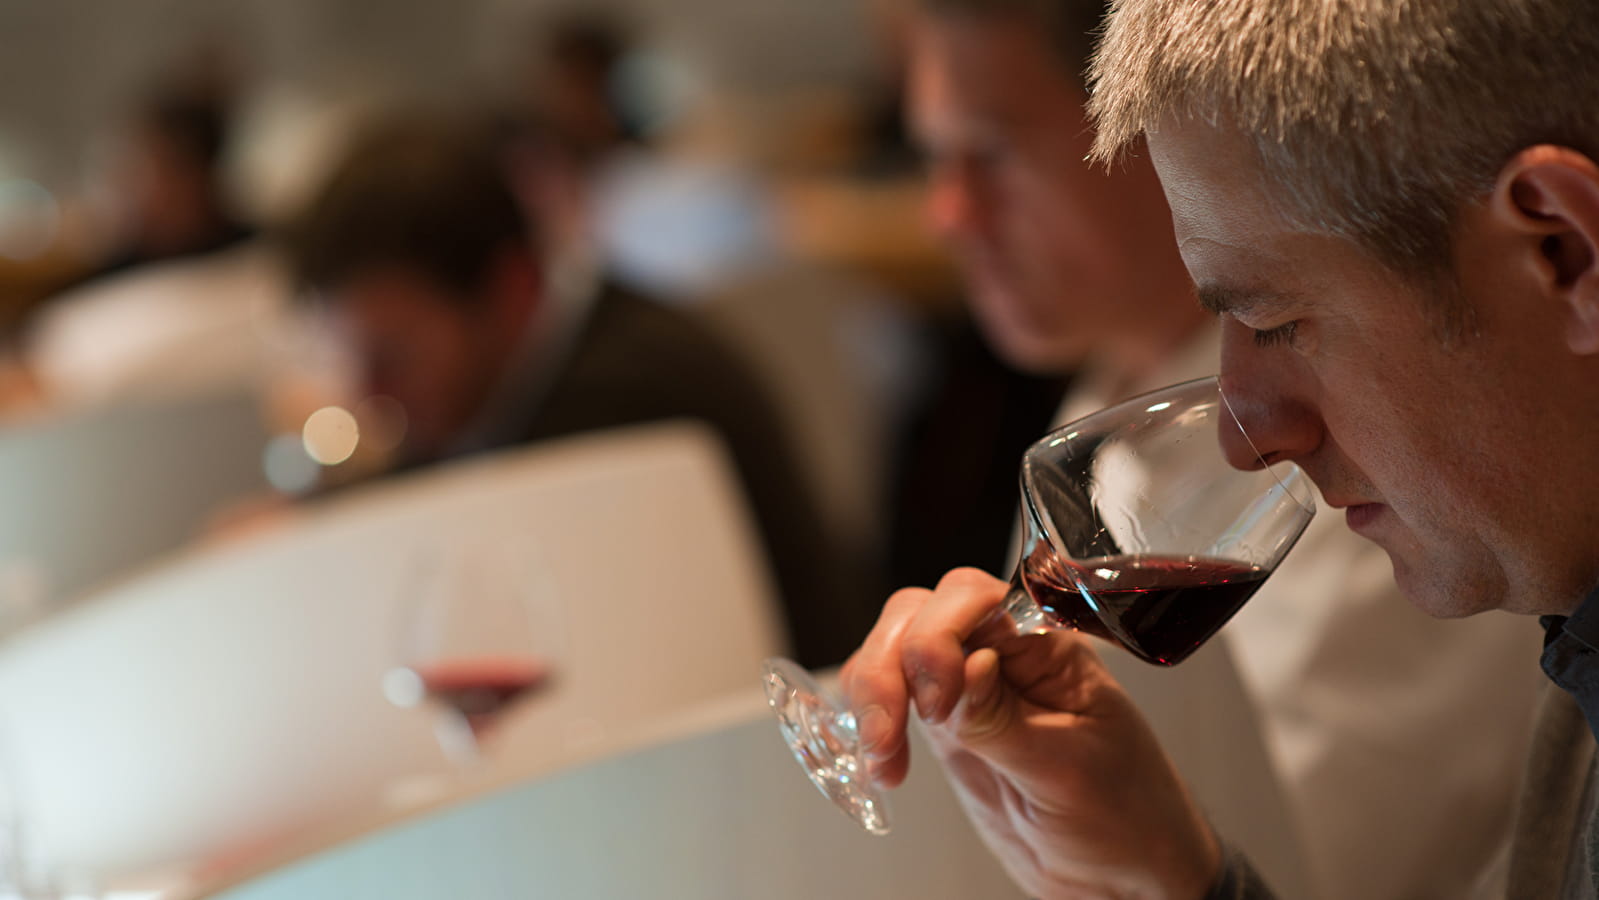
(927, 697)
(874, 727)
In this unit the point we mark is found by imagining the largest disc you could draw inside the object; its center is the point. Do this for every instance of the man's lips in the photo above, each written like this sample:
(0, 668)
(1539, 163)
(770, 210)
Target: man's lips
(1358, 514)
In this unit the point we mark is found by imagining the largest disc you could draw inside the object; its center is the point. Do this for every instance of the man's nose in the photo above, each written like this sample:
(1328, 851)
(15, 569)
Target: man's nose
(1275, 420)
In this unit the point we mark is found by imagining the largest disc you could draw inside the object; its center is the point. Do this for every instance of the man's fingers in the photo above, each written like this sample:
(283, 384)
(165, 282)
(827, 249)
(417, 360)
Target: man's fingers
(915, 652)
(932, 654)
(872, 681)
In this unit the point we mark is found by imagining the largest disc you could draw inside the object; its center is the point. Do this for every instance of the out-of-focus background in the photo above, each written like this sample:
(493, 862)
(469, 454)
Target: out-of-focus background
(75, 73)
(756, 149)
(722, 393)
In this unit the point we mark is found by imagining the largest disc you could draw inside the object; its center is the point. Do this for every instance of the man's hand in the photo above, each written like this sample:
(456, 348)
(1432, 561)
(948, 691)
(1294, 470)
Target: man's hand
(1055, 766)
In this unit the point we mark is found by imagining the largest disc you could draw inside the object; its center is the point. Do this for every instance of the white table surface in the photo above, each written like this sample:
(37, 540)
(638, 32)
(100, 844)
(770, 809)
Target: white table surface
(722, 813)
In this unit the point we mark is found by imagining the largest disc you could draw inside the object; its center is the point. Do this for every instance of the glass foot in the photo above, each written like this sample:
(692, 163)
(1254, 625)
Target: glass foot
(825, 741)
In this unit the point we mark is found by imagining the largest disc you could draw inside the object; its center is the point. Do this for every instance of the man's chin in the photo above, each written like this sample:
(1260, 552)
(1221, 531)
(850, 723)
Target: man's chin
(1439, 596)
(1024, 347)
(1044, 362)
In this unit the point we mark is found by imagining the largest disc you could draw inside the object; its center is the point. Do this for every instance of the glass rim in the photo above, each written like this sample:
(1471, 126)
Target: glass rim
(1291, 479)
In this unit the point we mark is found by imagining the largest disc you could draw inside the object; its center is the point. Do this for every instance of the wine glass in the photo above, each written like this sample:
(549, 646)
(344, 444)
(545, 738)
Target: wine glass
(481, 632)
(1135, 530)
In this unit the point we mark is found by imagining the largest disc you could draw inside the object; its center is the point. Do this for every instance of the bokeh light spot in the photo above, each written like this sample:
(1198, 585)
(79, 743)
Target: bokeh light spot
(330, 435)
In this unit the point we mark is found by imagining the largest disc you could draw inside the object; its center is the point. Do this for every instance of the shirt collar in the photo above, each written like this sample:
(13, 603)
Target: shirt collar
(572, 287)
(1571, 655)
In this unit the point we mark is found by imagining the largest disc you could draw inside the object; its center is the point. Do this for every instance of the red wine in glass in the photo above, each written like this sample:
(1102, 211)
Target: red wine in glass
(481, 689)
(1162, 608)
(479, 630)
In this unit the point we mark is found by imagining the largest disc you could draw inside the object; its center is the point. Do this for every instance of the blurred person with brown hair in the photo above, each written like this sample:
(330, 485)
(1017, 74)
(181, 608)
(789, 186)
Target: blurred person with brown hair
(574, 82)
(172, 272)
(851, 197)
(165, 180)
(436, 276)
(1073, 268)
(175, 201)
(159, 189)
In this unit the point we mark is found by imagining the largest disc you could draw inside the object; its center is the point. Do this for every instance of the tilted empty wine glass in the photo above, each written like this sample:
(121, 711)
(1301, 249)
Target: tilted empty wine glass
(1136, 529)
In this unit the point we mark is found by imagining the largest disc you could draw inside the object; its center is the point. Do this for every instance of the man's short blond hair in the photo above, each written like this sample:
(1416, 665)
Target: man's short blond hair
(1373, 119)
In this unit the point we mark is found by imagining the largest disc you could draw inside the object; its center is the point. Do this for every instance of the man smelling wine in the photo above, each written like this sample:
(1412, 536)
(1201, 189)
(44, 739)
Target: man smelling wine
(1072, 267)
(1393, 208)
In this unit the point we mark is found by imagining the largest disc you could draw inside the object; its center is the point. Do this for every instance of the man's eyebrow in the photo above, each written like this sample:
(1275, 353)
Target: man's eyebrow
(1225, 299)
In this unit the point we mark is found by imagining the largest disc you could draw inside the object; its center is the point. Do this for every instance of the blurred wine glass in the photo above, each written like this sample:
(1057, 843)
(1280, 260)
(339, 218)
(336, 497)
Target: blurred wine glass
(480, 633)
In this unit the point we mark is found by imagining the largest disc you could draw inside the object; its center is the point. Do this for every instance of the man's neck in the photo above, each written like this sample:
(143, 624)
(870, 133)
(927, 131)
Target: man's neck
(535, 357)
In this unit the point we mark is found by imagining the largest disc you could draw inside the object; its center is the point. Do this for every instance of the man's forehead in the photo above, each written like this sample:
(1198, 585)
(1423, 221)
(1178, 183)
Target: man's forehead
(1239, 247)
(1213, 208)
(1207, 172)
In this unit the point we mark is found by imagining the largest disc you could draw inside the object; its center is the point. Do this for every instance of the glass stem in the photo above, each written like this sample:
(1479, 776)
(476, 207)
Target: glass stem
(458, 741)
(1024, 613)
(1017, 614)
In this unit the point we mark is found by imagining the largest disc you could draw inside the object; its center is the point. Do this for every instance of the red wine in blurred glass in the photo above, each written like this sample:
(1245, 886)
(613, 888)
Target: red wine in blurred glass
(480, 689)
(1162, 608)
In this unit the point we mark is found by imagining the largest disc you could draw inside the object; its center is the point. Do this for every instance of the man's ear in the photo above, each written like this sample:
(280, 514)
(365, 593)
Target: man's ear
(1550, 196)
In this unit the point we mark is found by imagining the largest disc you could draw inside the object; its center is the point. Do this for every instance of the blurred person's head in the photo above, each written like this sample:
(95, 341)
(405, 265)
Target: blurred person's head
(576, 77)
(1394, 207)
(1061, 259)
(168, 182)
(419, 249)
